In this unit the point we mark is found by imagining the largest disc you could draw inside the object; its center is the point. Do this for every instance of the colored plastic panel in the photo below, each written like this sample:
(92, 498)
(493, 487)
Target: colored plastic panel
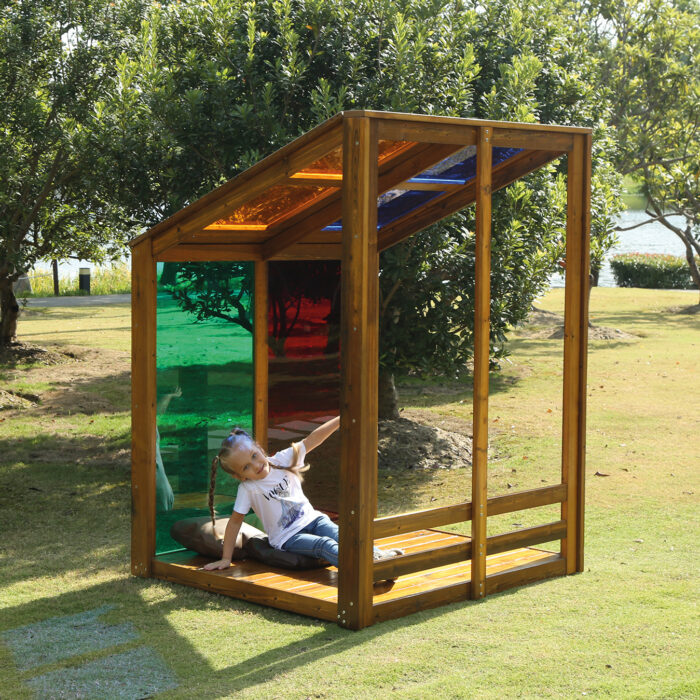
(457, 169)
(274, 204)
(333, 161)
(204, 359)
(304, 365)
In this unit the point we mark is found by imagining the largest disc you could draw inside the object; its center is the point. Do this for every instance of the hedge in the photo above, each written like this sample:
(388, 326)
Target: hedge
(651, 271)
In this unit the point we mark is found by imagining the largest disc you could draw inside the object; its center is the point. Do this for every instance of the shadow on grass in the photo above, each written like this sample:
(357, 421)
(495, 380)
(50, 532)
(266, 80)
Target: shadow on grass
(150, 620)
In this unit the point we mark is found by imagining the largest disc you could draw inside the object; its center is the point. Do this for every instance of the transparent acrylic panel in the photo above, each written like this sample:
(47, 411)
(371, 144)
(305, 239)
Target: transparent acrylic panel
(204, 359)
(304, 366)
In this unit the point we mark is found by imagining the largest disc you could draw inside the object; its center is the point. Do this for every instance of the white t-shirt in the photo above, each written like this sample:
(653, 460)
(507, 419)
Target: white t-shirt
(278, 499)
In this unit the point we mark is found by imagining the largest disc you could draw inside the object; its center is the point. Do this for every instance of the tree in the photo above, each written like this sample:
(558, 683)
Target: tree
(59, 191)
(225, 82)
(650, 66)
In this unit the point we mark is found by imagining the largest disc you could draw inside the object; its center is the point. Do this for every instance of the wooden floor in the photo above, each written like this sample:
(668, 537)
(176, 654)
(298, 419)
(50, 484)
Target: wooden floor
(320, 586)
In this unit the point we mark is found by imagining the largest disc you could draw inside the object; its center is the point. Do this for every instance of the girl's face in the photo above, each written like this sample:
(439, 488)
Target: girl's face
(248, 462)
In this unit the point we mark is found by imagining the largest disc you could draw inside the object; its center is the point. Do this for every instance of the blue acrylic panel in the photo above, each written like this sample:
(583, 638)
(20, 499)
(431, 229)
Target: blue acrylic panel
(457, 169)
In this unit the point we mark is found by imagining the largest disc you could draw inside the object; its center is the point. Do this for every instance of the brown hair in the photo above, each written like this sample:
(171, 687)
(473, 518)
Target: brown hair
(230, 444)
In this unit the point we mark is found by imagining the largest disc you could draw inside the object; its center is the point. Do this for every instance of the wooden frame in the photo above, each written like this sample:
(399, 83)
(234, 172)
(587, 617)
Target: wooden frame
(438, 567)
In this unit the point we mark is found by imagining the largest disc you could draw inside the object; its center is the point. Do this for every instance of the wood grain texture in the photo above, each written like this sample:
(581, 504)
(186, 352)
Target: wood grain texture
(433, 517)
(260, 353)
(421, 561)
(143, 409)
(510, 137)
(359, 372)
(482, 310)
(527, 573)
(427, 132)
(525, 537)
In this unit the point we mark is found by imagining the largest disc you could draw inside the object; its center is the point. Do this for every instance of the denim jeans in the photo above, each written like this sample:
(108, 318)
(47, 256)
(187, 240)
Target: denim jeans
(318, 539)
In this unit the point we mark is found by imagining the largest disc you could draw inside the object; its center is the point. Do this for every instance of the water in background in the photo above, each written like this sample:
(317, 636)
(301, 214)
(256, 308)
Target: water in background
(650, 238)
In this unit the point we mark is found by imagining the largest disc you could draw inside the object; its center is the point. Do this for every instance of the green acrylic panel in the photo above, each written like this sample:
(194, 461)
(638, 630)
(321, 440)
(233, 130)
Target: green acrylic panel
(204, 359)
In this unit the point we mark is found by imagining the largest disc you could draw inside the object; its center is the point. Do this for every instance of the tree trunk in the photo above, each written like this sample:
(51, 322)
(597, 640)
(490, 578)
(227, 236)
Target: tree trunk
(388, 397)
(9, 311)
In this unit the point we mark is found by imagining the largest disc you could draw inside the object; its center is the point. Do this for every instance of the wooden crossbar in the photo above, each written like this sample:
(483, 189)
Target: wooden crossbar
(523, 538)
(462, 512)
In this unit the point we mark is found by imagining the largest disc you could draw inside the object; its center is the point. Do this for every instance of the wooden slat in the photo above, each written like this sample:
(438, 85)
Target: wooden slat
(433, 517)
(427, 132)
(260, 353)
(429, 186)
(528, 573)
(143, 409)
(503, 174)
(523, 500)
(211, 252)
(359, 372)
(221, 582)
(323, 179)
(420, 601)
(532, 140)
(526, 537)
(481, 360)
(420, 561)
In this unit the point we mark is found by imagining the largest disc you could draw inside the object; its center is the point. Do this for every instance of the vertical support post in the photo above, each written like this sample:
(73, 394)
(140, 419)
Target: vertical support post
(359, 372)
(575, 348)
(143, 409)
(482, 310)
(260, 352)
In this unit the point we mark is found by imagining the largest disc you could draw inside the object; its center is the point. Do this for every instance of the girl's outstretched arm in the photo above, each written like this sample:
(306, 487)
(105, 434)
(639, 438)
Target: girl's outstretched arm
(230, 537)
(323, 431)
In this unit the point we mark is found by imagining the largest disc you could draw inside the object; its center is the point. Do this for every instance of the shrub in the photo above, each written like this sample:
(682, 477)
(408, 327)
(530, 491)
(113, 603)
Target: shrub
(651, 271)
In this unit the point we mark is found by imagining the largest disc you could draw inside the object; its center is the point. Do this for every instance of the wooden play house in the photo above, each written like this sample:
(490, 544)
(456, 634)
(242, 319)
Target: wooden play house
(345, 191)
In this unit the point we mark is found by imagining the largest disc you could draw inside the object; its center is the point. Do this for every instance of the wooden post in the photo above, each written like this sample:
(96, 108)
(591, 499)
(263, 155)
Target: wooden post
(575, 348)
(260, 353)
(359, 373)
(143, 409)
(482, 308)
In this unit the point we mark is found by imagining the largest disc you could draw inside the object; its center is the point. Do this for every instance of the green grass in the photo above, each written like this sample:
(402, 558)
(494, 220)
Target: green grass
(625, 628)
(115, 279)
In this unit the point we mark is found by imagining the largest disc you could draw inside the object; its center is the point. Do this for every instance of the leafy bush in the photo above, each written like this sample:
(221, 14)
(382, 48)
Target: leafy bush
(651, 271)
(103, 280)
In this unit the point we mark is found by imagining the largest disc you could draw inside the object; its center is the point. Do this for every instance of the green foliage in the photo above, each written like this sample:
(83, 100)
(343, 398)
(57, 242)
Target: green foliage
(649, 71)
(651, 270)
(218, 85)
(103, 280)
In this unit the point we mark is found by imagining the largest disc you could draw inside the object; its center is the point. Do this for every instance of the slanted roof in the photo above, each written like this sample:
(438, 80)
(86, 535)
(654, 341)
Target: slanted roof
(289, 204)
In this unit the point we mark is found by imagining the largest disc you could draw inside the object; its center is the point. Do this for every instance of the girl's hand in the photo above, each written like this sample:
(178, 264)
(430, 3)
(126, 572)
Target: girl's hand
(221, 564)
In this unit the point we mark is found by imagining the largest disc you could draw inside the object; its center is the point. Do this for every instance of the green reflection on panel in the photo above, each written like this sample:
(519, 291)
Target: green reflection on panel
(204, 358)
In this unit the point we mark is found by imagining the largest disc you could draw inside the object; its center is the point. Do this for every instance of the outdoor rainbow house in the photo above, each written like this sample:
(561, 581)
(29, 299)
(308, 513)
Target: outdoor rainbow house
(332, 200)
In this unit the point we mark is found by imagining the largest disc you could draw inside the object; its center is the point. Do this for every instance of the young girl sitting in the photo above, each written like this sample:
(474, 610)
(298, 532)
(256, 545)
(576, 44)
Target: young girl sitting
(271, 486)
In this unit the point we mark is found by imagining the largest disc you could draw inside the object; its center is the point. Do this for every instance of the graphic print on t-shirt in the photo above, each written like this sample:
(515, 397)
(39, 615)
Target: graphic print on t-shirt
(291, 510)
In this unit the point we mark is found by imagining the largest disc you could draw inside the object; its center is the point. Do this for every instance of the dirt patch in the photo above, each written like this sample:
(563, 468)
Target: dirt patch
(26, 353)
(407, 444)
(686, 310)
(550, 326)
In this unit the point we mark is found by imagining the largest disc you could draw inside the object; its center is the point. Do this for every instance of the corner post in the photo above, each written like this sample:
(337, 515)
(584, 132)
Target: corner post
(260, 352)
(143, 409)
(576, 348)
(359, 372)
(482, 310)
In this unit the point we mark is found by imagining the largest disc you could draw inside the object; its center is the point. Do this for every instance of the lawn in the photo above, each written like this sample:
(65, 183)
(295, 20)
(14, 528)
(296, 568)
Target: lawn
(70, 613)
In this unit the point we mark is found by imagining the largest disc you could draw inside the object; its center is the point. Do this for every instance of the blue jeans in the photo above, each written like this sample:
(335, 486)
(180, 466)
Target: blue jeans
(318, 539)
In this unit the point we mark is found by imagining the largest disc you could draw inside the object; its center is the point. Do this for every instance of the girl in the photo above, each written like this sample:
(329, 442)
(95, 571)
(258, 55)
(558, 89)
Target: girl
(271, 486)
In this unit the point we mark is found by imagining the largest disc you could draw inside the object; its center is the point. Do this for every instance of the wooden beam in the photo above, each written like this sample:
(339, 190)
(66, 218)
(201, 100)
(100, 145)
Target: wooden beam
(422, 561)
(526, 537)
(407, 605)
(528, 573)
(359, 373)
(509, 137)
(143, 409)
(575, 338)
(524, 500)
(422, 519)
(430, 186)
(427, 132)
(223, 582)
(506, 172)
(481, 360)
(260, 353)
(211, 252)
